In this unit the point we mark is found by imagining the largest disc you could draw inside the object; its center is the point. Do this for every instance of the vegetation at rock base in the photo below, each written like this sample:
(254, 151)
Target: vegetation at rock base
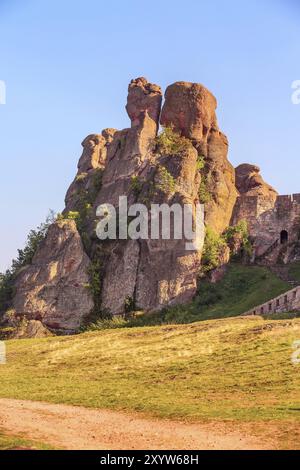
(242, 288)
(95, 273)
(169, 142)
(236, 370)
(129, 305)
(214, 246)
(239, 232)
(24, 258)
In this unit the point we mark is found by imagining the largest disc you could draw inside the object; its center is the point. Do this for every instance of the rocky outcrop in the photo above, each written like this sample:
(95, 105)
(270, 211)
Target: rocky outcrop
(148, 273)
(250, 182)
(220, 183)
(190, 109)
(187, 164)
(90, 167)
(54, 288)
(256, 197)
(144, 100)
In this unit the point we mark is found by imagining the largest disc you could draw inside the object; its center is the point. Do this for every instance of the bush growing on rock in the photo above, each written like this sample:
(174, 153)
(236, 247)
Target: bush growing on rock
(169, 142)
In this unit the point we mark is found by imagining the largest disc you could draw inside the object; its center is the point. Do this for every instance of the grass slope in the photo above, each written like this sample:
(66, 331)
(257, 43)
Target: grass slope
(230, 369)
(294, 271)
(242, 288)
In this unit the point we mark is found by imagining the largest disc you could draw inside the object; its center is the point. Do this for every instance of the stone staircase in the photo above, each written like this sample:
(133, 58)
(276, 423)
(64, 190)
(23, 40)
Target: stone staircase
(276, 254)
(269, 250)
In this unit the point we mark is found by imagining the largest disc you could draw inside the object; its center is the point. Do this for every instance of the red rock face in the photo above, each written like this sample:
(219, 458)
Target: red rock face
(144, 99)
(190, 109)
(151, 273)
(53, 288)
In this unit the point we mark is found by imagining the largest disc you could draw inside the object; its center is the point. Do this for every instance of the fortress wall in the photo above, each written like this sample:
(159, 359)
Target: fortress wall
(267, 220)
(287, 302)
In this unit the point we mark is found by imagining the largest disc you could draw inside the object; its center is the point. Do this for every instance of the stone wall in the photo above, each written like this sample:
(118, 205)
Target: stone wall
(274, 227)
(287, 302)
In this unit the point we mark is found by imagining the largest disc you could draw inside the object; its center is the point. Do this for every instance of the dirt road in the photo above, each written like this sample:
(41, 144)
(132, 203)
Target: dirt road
(72, 427)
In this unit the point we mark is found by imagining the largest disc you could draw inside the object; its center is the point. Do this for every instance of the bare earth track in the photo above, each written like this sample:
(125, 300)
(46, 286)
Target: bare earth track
(72, 427)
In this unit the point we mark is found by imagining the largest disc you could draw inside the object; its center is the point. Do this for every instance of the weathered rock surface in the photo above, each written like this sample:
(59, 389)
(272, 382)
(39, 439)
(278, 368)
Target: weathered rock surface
(220, 183)
(153, 273)
(250, 182)
(90, 166)
(190, 109)
(31, 329)
(256, 197)
(54, 289)
(144, 100)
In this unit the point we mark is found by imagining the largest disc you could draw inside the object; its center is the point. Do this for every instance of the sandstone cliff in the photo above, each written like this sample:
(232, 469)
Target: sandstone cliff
(53, 288)
(74, 274)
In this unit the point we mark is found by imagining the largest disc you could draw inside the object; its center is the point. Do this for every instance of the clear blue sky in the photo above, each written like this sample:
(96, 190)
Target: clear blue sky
(67, 65)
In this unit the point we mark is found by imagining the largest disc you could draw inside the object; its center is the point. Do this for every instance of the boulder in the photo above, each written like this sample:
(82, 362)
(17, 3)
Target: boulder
(250, 182)
(144, 99)
(190, 109)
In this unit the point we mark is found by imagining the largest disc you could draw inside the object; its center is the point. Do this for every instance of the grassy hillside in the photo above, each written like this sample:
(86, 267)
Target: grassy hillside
(294, 271)
(236, 369)
(241, 289)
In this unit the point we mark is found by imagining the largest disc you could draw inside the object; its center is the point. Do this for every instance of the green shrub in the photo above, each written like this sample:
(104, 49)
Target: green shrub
(200, 162)
(95, 186)
(129, 305)
(136, 185)
(81, 177)
(169, 142)
(239, 231)
(95, 285)
(106, 324)
(164, 181)
(203, 193)
(214, 246)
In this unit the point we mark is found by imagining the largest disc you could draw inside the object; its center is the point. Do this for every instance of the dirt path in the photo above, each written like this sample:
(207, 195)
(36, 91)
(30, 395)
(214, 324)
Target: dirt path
(72, 427)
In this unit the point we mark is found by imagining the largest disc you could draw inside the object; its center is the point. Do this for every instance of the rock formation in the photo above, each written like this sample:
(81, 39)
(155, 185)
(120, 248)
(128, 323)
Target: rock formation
(73, 273)
(250, 182)
(53, 289)
(191, 110)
